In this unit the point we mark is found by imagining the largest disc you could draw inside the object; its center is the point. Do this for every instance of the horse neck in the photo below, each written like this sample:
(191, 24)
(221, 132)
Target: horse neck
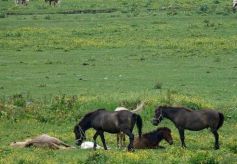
(85, 124)
(169, 113)
(160, 136)
(154, 137)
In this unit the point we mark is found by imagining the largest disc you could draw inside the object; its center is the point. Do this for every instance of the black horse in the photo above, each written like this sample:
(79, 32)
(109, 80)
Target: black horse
(111, 122)
(184, 118)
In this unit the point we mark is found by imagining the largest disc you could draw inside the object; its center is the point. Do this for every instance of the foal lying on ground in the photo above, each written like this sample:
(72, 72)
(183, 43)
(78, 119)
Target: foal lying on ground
(42, 141)
(152, 139)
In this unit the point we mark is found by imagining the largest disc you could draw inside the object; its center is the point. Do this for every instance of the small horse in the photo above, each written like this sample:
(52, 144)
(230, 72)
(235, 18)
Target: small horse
(152, 139)
(121, 136)
(184, 118)
(42, 141)
(54, 2)
(111, 122)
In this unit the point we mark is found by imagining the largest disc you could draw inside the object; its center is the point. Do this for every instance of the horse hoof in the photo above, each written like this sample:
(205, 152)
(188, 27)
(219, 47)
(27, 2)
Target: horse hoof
(131, 150)
(217, 147)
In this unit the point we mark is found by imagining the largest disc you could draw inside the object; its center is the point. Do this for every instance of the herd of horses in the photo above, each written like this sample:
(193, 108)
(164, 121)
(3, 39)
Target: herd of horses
(124, 121)
(26, 2)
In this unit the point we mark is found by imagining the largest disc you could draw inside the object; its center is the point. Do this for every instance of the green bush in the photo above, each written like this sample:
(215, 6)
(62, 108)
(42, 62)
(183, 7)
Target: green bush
(18, 100)
(203, 8)
(3, 15)
(158, 85)
(203, 158)
(96, 158)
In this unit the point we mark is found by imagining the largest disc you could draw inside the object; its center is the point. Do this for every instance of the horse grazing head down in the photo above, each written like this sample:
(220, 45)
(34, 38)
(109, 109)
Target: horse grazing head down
(83, 125)
(79, 134)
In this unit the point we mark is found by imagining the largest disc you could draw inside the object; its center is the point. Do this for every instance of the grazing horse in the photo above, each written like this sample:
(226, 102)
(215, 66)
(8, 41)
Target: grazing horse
(121, 136)
(234, 5)
(184, 118)
(152, 139)
(54, 2)
(111, 122)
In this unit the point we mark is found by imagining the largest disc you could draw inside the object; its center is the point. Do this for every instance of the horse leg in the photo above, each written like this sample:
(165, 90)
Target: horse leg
(216, 135)
(181, 135)
(103, 140)
(123, 138)
(118, 135)
(131, 138)
(53, 146)
(94, 138)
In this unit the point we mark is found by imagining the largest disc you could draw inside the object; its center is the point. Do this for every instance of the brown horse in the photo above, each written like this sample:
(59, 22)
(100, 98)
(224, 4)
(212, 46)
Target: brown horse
(184, 118)
(152, 139)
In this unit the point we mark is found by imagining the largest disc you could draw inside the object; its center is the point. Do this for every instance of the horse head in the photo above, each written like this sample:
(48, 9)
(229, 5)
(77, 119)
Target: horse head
(158, 116)
(167, 135)
(79, 134)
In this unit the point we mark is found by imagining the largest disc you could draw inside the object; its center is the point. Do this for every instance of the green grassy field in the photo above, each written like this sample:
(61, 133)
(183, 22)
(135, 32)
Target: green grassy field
(58, 63)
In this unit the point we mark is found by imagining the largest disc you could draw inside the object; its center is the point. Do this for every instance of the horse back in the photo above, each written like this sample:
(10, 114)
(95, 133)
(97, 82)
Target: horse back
(201, 119)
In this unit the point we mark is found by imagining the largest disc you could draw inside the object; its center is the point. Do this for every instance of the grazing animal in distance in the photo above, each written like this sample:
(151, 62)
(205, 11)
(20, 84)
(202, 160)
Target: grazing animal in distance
(111, 122)
(22, 2)
(52, 2)
(42, 141)
(121, 136)
(184, 118)
(152, 139)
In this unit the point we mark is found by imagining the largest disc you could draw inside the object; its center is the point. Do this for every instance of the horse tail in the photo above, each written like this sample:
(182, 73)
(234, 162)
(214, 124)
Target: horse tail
(139, 125)
(139, 108)
(221, 120)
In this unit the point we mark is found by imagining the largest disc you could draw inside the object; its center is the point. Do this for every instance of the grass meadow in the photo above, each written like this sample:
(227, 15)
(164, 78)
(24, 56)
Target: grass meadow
(58, 63)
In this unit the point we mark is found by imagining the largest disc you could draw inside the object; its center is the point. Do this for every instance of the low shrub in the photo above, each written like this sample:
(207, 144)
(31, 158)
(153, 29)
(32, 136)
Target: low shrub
(203, 158)
(3, 15)
(96, 158)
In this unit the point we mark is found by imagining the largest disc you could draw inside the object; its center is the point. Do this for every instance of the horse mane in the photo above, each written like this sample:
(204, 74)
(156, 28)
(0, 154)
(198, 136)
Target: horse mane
(91, 113)
(163, 129)
(172, 107)
(159, 130)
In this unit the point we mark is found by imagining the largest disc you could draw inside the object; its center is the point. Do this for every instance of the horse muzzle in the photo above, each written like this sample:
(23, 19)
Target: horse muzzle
(78, 142)
(171, 142)
(154, 121)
